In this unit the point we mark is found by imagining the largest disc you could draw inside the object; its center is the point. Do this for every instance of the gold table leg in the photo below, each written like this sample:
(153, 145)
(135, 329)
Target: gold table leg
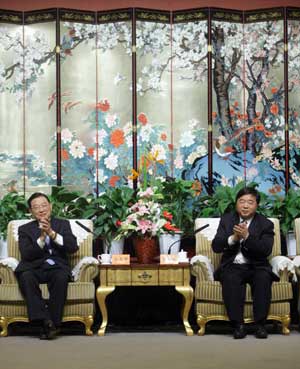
(102, 293)
(187, 293)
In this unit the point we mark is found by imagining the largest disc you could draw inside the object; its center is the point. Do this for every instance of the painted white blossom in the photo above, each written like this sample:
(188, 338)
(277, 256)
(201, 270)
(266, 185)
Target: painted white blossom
(111, 120)
(146, 132)
(178, 162)
(187, 139)
(192, 157)
(66, 135)
(111, 162)
(101, 176)
(101, 136)
(77, 149)
(159, 152)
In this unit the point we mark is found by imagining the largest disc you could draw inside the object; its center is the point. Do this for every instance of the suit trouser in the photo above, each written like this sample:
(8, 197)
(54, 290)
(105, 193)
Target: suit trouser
(57, 282)
(234, 279)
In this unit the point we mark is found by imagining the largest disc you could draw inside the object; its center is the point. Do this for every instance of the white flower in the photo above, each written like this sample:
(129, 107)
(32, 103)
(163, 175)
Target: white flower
(127, 129)
(178, 162)
(101, 177)
(66, 135)
(77, 149)
(110, 120)
(187, 139)
(146, 132)
(158, 152)
(101, 136)
(101, 152)
(111, 162)
(192, 157)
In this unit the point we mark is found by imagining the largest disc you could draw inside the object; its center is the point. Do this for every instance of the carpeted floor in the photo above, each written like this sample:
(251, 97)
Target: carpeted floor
(151, 350)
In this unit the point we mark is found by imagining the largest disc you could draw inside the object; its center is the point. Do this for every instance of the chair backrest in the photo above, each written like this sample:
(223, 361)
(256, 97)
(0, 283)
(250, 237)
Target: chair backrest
(297, 234)
(84, 239)
(205, 237)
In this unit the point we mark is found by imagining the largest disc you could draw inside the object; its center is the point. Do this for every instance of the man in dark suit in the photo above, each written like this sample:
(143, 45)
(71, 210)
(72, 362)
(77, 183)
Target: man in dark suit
(246, 239)
(44, 244)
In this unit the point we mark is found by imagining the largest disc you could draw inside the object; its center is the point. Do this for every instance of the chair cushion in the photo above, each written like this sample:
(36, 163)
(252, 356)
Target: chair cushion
(212, 291)
(76, 291)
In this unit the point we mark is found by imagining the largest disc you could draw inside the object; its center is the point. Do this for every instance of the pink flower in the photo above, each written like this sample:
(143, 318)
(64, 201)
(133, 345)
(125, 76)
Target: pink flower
(144, 225)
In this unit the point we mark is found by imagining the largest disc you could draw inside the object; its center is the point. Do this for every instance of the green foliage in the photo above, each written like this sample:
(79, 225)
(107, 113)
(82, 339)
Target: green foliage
(68, 204)
(12, 206)
(178, 198)
(287, 208)
(108, 210)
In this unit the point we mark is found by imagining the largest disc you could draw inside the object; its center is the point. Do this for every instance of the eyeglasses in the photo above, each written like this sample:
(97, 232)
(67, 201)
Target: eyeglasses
(40, 207)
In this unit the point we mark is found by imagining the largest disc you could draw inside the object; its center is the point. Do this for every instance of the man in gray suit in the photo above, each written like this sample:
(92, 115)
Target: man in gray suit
(44, 245)
(246, 240)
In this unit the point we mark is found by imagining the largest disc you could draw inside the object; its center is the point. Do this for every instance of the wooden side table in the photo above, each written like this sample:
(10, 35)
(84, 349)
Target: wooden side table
(133, 275)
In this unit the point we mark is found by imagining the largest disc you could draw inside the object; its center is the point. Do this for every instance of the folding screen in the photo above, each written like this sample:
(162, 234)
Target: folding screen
(203, 94)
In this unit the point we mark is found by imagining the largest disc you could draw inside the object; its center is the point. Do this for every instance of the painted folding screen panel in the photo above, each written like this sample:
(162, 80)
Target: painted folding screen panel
(153, 74)
(78, 105)
(228, 105)
(190, 100)
(11, 108)
(294, 100)
(114, 102)
(40, 106)
(265, 102)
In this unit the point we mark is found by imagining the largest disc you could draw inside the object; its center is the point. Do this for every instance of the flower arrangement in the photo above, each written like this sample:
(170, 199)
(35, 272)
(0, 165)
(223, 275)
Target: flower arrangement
(145, 217)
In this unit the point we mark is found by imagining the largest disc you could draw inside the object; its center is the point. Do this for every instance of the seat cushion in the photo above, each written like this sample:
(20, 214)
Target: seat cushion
(76, 291)
(212, 291)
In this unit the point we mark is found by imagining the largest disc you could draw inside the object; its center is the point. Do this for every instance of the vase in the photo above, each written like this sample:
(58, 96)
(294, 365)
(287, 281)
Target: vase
(169, 243)
(145, 249)
(115, 246)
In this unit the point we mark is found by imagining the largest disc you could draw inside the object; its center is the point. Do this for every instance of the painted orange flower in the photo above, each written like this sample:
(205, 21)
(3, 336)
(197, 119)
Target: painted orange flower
(142, 118)
(64, 154)
(91, 151)
(171, 147)
(163, 137)
(274, 109)
(259, 127)
(113, 180)
(236, 104)
(268, 133)
(117, 137)
(274, 90)
(103, 105)
(275, 189)
(214, 114)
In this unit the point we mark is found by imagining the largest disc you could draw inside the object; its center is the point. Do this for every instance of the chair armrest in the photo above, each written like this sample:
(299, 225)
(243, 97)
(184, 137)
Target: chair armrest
(86, 269)
(296, 262)
(283, 267)
(7, 270)
(202, 268)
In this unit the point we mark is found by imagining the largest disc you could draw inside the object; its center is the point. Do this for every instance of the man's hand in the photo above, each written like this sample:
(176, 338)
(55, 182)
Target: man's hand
(240, 231)
(45, 226)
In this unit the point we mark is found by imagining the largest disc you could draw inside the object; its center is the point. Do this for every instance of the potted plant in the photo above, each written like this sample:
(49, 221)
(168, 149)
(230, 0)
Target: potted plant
(108, 211)
(145, 222)
(287, 209)
(12, 207)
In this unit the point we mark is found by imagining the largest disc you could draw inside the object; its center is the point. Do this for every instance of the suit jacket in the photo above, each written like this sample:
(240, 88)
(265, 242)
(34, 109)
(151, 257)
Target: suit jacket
(256, 248)
(33, 256)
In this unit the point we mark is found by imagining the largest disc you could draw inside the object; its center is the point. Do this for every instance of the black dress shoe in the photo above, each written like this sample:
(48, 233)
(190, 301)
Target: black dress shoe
(49, 332)
(261, 331)
(239, 332)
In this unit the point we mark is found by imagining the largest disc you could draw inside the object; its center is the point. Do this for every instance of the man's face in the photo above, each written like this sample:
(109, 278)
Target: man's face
(246, 206)
(41, 208)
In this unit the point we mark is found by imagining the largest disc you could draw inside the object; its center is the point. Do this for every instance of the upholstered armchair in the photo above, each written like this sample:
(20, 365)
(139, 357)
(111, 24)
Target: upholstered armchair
(208, 293)
(81, 292)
